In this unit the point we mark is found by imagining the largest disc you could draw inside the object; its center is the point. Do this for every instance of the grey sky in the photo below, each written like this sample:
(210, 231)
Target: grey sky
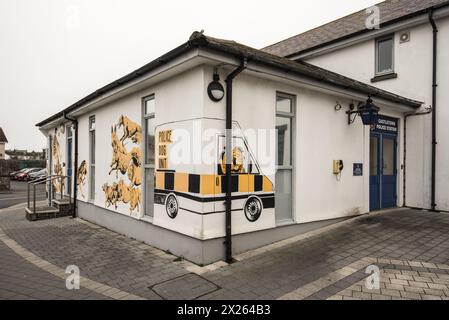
(54, 52)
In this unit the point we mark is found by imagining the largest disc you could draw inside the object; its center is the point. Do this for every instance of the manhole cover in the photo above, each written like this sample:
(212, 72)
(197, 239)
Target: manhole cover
(187, 287)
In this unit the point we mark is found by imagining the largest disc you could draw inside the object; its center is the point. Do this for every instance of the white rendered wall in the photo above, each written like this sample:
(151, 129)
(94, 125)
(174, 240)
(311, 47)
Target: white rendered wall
(322, 135)
(413, 64)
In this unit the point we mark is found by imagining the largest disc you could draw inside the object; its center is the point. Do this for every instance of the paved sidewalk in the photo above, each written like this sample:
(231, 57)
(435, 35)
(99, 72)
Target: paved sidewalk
(328, 264)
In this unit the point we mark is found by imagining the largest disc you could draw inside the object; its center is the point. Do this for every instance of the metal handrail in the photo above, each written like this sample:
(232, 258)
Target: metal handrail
(48, 179)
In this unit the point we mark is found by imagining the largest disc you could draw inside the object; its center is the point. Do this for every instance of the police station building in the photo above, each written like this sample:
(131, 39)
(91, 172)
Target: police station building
(216, 148)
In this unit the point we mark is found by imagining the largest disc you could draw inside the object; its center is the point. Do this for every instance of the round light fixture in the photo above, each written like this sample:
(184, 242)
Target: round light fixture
(215, 90)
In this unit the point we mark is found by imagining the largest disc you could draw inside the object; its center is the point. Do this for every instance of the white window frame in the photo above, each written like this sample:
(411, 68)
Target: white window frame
(146, 165)
(376, 67)
(291, 167)
(92, 164)
(69, 136)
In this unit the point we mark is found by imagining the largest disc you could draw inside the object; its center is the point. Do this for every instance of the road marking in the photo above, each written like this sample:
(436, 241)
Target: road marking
(92, 285)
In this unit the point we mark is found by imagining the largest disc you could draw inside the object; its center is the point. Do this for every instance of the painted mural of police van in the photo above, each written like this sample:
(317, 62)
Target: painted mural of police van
(200, 187)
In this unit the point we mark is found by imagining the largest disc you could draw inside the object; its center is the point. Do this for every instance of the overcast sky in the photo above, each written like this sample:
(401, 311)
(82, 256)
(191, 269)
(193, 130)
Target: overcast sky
(54, 52)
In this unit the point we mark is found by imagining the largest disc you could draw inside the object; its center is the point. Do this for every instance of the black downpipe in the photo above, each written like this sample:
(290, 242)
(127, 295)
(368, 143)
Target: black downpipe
(75, 169)
(434, 108)
(229, 81)
(404, 185)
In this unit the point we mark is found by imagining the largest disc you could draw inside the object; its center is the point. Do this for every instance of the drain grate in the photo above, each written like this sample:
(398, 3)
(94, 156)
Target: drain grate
(187, 287)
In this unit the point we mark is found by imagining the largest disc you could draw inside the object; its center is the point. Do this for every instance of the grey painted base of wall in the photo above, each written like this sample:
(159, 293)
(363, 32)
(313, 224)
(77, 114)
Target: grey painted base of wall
(201, 252)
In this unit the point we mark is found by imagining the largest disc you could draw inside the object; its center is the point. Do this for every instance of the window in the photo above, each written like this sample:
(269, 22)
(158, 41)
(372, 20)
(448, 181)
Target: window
(285, 116)
(92, 158)
(69, 150)
(149, 125)
(385, 55)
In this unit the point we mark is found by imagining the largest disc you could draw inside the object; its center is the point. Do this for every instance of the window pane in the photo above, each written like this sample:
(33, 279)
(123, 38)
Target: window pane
(92, 183)
(283, 195)
(92, 147)
(284, 141)
(385, 55)
(149, 192)
(150, 128)
(388, 157)
(283, 104)
(92, 123)
(149, 106)
(69, 131)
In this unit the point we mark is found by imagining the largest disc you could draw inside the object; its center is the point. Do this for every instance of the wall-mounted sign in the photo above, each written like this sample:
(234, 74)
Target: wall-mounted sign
(386, 125)
(357, 169)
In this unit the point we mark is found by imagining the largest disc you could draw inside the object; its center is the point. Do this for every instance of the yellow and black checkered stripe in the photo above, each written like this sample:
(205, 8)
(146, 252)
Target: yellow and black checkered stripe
(211, 185)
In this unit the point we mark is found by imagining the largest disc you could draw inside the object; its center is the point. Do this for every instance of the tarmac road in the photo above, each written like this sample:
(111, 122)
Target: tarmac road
(19, 194)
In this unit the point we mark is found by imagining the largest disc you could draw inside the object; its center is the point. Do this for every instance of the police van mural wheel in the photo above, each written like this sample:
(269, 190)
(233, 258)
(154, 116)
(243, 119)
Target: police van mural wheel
(171, 206)
(253, 209)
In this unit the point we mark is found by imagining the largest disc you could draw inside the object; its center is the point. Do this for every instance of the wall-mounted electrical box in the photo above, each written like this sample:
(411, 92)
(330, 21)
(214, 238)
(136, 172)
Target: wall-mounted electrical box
(338, 166)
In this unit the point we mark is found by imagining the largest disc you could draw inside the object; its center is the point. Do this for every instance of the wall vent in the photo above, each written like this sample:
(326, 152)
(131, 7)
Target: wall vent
(404, 37)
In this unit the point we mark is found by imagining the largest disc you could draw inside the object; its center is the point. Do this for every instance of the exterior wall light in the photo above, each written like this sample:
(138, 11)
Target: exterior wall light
(369, 113)
(215, 90)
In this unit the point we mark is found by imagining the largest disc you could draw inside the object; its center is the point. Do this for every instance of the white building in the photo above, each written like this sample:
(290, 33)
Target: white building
(123, 144)
(3, 142)
(398, 57)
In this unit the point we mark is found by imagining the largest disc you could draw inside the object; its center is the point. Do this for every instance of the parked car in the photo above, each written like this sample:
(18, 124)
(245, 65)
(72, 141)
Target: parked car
(38, 174)
(24, 176)
(13, 174)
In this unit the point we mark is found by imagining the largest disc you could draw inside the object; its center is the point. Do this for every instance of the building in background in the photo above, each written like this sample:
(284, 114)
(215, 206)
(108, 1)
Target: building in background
(3, 142)
(25, 155)
(408, 54)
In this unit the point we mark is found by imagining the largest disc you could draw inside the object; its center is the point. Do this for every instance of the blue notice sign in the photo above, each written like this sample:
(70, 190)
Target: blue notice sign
(386, 125)
(358, 169)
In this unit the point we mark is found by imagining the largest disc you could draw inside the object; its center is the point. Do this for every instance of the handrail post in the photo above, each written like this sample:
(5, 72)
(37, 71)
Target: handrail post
(50, 191)
(34, 199)
(28, 192)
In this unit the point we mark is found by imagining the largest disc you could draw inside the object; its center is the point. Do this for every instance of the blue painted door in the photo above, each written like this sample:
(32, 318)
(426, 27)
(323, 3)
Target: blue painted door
(383, 171)
(375, 177)
(389, 172)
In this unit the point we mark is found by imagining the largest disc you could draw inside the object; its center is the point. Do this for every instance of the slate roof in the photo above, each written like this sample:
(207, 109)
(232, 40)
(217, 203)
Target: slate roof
(391, 11)
(237, 50)
(2, 136)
